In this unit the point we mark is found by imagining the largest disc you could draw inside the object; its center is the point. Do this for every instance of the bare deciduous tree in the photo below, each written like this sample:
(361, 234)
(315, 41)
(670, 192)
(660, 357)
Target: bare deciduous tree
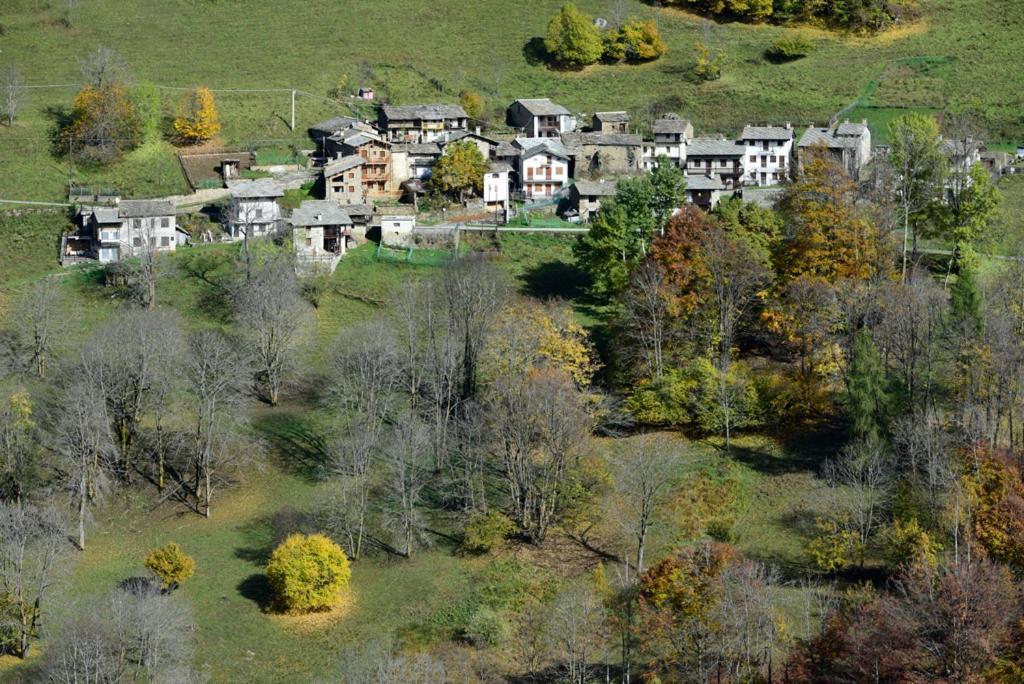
(32, 542)
(576, 624)
(273, 318)
(39, 322)
(12, 92)
(862, 482)
(380, 663)
(20, 453)
(647, 321)
(476, 291)
(85, 450)
(405, 479)
(750, 625)
(216, 378)
(644, 472)
(103, 67)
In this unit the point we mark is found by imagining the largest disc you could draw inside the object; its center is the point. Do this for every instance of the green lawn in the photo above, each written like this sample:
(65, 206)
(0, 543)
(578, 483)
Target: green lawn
(962, 55)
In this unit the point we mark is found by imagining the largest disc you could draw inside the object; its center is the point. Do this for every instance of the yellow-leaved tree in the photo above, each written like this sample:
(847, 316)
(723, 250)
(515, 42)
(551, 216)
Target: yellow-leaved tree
(170, 564)
(197, 119)
(308, 573)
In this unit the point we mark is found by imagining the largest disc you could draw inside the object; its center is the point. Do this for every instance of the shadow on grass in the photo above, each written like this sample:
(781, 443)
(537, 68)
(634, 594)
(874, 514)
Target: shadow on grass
(553, 279)
(295, 442)
(534, 52)
(256, 588)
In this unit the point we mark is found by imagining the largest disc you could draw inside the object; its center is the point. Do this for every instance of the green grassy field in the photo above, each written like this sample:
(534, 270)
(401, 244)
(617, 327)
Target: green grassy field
(961, 55)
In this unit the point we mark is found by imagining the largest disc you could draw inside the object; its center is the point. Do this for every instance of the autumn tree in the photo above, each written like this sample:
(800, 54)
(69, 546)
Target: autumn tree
(103, 124)
(308, 573)
(21, 457)
(170, 564)
(473, 103)
(920, 166)
(636, 40)
(460, 170)
(197, 120)
(572, 39)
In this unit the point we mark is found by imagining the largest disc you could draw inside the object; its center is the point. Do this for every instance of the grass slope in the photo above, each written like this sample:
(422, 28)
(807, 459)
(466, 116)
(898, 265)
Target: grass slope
(961, 55)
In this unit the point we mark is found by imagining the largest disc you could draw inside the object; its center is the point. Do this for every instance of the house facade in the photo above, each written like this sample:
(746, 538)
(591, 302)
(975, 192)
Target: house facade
(724, 158)
(540, 118)
(254, 210)
(320, 234)
(130, 228)
(585, 197)
(421, 123)
(848, 143)
(669, 137)
(769, 154)
(378, 180)
(343, 180)
(601, 154)
(705, 190)
(610, 122)
(413, 160)
(496, 190)
(543, 167)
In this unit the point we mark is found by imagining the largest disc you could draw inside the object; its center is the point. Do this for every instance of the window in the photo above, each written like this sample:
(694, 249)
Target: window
(137, 223)
(351, 189)
(309, 242)
(558, 171)
(764, 161)
(108, 254)
(258, 213)
(165, 223)
(165, 241)
(136, 242)
(764, 146)
(152, 242)
(529, 172)
(709, 163)
(108, 235)
(773, 159)
(753, 157)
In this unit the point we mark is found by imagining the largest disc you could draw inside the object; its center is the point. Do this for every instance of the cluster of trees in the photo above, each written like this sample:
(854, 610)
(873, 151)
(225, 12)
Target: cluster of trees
(573, 40)
(854, 15)
(460, 170)
(112, 115)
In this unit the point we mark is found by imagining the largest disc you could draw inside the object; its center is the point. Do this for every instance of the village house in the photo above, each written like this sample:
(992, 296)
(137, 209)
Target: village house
(610, 122)
(670, 135)
(543, 167)
(597, 154)
(487, 146)
(725, 158)
(395, 226)
(343, 180)
(421, 123)
(413, 160)
(585, 197)
(323, 130)
(254, 210)
(378, 180)
(129, 228)
(320, 233)
(769, 154)
(540, 118)
(496, 190)
(848, 143)
(705, 190)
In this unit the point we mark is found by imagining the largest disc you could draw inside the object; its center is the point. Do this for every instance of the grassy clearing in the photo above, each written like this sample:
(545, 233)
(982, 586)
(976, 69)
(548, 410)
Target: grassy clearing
(962, 48)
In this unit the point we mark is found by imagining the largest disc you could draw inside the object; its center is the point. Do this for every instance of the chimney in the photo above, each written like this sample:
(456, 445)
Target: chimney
(477, 130)
(789, 126)
(318, 217)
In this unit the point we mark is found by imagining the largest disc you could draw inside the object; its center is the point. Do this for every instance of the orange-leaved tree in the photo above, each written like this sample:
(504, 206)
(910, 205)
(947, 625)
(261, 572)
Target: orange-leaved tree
(103, 124)
(197, 119)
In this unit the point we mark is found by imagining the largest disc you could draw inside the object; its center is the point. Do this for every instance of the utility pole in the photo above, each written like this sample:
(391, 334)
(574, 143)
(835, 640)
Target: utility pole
(293, 109)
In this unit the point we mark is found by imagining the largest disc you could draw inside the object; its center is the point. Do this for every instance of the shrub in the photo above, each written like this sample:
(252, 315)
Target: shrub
(487, 627)
(789, 48)
(170, 564)
(308, 573)
(473, 103)
(572, 39)
(485, 531)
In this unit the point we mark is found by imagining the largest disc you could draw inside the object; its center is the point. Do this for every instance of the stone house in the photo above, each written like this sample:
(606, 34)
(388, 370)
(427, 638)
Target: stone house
(487, 146)
(343, 180)
(669, 137)
(725, 158)
(769, 153)
(610, 122)
(585, 197)
(129, 228)
(421, 123)
(597, 154)
(848, 143)
(540, 118)
(704, 190)
(378, 178)
(254, 210)
(320, 234)
(413, 160)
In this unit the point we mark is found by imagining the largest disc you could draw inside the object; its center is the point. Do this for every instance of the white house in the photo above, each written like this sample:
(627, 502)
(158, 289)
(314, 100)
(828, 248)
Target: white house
(848, 143)
(254, 209)
(320, 233)
(540, 118)
(769, 154)
(725, 158)
(496, 182)
(543, 167)
(396, 229)
(670, 135)
(129, 228)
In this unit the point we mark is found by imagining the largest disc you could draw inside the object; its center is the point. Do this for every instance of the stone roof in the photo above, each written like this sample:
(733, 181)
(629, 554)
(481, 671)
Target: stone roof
(767, 133)
(600, 188)
(100, 213)
(331, 126)
(358, 210)
(851, 129)
(612, 117)
(418, 148)
(144, 208)
(825, 136)
(426, 112)
(596, 138)
(319, 213)
(455, 136)
(532, 146)
(344, 164)
(704, 182)
(506, 149)
(261, 187)
(500, 167)
(714, 147)
(542, 106)
(670, 123)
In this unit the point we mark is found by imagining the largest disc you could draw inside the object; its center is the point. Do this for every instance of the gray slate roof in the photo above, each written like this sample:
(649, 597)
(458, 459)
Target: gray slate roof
(261, 187)
(500, 167)
(102, 214)
(542, 106)
(344, 164)
(598, 188)
(767, 133)
(455, 136)
(319, 213)
(531, 146)
(704, 182)
(506, 149)
(612, 117)
(670, 123)
(595, 138)
(824, 136)
(426, 112)
(431, 149)
(714, 147)
(145, 208)
(334, 125)
(851, 129)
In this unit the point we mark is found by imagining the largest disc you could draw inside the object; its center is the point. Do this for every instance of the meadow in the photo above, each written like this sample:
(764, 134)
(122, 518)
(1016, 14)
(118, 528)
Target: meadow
(960, 55)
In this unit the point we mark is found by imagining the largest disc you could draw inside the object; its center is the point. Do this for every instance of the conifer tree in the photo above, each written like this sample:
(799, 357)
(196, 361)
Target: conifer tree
(867, 397)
